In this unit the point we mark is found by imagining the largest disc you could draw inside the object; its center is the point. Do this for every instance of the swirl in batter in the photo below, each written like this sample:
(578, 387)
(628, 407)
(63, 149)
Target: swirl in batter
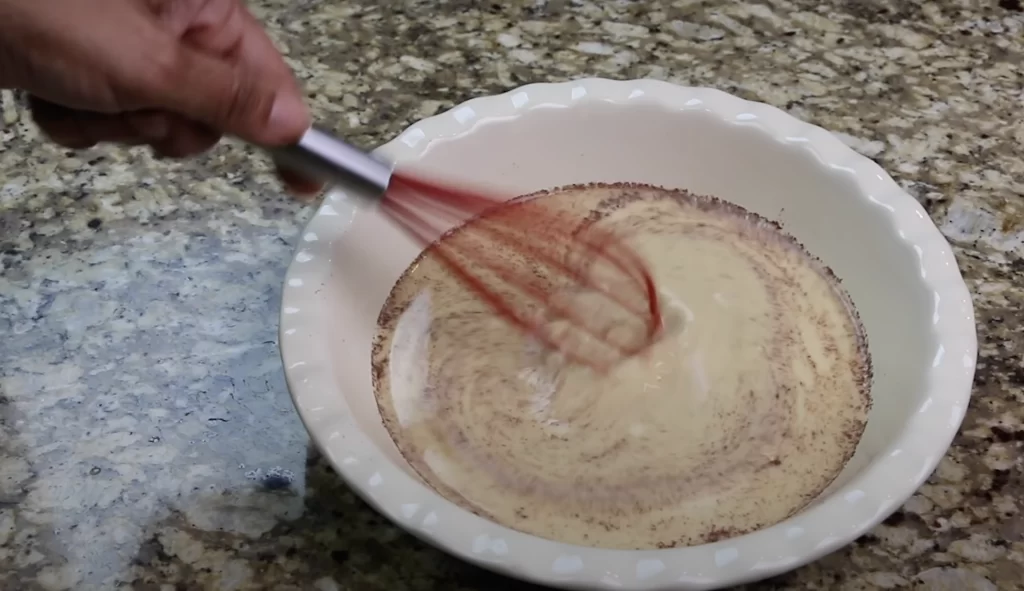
(742, 413)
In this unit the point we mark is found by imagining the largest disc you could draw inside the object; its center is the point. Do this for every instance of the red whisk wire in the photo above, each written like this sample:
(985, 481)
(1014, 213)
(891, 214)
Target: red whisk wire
(543, 242)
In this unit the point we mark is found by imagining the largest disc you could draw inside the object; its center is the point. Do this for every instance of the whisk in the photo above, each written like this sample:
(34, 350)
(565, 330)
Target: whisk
(575, 287)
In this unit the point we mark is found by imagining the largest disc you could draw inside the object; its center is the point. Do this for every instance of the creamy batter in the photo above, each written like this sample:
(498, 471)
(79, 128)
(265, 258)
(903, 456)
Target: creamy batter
(748, 406)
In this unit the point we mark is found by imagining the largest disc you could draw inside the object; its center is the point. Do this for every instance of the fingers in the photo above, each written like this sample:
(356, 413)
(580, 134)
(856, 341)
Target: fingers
(243, 100)
(235, 97)
(187, 138)
(208, 69)
(227, 73)
(257, 50)
(80, 129)
(228, 29)
(168, 134)
(216, 65)
(217, 27)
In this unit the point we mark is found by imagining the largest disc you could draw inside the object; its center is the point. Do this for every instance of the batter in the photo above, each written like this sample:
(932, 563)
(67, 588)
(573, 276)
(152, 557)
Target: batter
(747, 407)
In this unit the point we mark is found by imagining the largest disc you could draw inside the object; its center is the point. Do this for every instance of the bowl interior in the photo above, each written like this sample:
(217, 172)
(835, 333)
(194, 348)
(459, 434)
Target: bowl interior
(694, 150)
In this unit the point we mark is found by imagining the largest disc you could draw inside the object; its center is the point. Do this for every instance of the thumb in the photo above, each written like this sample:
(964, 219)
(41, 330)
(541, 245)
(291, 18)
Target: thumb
(261, 107)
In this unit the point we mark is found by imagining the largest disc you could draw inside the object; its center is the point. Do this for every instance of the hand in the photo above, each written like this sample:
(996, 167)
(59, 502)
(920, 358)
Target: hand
(173, 74)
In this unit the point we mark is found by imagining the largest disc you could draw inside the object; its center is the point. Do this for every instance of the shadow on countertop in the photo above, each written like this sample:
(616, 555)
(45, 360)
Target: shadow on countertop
(338, 543)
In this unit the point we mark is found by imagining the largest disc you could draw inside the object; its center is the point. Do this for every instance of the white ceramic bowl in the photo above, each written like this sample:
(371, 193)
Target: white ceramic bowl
(895, 264)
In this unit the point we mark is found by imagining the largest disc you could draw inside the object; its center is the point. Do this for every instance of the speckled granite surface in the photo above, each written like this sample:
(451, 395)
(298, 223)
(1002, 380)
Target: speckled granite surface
(146, 437)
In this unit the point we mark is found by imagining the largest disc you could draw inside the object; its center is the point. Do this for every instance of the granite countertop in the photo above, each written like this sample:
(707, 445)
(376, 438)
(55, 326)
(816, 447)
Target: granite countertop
(147, 440)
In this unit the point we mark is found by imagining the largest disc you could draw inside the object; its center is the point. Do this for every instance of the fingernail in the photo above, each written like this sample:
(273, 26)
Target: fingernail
(289, 117)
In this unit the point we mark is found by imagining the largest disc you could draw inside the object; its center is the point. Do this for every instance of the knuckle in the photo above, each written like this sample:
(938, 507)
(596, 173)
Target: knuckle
(247, 105)
(166, 65)
(159, 73)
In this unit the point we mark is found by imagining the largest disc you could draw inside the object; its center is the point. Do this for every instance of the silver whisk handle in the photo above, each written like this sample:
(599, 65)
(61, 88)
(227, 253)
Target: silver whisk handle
(326, 158)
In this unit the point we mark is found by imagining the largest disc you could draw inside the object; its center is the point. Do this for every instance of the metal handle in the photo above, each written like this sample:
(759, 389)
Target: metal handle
(326, 158)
